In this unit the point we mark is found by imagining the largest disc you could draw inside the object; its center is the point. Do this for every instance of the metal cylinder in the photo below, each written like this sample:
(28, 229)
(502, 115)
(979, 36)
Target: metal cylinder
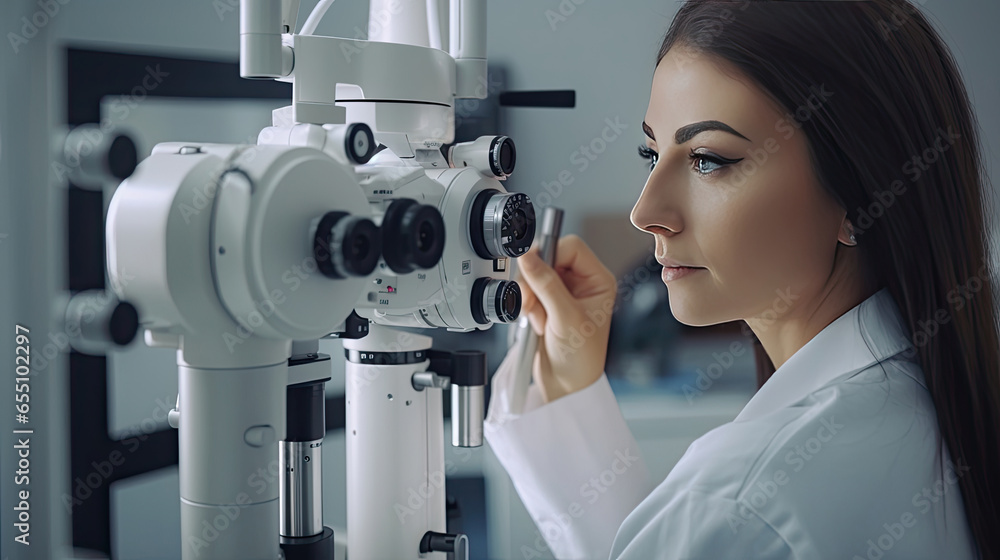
(301, 464)
(548, 238)
(525, 341)
(467, 415)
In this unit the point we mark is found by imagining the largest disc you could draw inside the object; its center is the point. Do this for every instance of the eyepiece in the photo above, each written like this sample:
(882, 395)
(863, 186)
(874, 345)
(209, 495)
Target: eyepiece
(346, 245)
(490, 155)
(413, 236)
(503, 155)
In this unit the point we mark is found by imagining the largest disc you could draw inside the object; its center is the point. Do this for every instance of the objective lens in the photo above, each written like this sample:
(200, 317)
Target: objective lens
(495, 301)
(511, 302)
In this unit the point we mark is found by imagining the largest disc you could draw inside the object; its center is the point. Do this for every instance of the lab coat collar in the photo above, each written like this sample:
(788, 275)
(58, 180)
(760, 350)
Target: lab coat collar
(839, 350)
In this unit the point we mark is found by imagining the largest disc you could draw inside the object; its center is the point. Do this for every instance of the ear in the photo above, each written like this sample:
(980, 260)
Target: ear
(847, 234)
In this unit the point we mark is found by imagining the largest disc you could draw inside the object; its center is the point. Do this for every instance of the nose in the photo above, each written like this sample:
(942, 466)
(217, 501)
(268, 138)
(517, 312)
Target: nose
(653, 213)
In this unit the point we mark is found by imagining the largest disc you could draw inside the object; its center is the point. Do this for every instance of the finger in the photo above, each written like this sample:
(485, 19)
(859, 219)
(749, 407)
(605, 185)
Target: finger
(530, 303)
(582, 272)
(528, 299)
(546, 284)
(572, 253)
(538, 318)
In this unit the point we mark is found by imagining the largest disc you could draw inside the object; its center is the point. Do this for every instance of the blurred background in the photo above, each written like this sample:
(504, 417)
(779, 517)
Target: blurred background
(673, 382)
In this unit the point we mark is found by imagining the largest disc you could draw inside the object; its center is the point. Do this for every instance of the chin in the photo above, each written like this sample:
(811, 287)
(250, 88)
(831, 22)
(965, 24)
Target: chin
(691, 312)
(686, 313)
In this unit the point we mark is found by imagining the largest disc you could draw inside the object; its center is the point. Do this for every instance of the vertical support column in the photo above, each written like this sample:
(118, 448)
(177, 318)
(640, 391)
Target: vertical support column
(230, 423)
(261, 53)
(395, 448)
(467, 45)
(398, 21)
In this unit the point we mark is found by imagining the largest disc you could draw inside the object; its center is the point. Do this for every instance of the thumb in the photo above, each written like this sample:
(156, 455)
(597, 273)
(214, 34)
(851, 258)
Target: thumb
(545, 282)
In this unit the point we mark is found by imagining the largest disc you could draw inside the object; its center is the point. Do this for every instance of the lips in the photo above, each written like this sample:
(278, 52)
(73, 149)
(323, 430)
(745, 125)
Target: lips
(671, 273)
(672, 263)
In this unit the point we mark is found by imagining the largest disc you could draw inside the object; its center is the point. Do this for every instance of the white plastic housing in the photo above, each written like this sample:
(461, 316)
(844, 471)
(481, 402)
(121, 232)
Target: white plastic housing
(395, 453)
(439, 297)
(223, 263)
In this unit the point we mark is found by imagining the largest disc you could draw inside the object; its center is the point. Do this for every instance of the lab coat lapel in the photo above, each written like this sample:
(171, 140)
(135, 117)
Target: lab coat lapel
(870, 332)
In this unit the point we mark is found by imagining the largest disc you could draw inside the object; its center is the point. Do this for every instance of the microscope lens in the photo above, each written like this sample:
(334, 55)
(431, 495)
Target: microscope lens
(503, 224)
(519, 224)
(511, 301)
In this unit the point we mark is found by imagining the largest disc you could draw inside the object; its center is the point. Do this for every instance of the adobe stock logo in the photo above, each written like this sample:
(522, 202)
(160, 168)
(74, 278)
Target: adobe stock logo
(754, 499)
(581, 158)
(562, 13)
(895, 529)
(31, 25)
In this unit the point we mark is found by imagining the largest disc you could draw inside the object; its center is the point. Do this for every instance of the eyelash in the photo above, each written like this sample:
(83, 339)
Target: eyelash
(646, 153)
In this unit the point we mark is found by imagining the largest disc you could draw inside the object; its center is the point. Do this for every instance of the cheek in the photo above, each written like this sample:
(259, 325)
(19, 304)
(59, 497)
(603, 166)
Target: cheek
(762, 237)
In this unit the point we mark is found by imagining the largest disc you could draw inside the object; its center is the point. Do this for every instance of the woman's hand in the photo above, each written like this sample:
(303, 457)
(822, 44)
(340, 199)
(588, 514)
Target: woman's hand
(569, 307)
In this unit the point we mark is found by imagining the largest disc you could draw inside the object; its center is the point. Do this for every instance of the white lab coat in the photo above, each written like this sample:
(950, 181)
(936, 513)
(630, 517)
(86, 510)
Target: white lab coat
(834, 457)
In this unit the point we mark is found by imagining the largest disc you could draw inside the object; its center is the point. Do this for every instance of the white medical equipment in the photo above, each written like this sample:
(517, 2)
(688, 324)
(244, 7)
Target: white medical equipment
(242, 256)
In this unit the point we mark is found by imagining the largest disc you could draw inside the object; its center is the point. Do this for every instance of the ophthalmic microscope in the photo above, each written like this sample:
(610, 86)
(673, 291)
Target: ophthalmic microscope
(353, 214)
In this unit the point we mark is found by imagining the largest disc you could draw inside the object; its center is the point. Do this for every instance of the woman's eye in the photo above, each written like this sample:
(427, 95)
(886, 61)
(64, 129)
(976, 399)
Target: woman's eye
(705, 164)
(646, 153)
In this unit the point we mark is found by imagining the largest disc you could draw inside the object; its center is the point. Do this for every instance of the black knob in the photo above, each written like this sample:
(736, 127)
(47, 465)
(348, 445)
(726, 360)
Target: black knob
(123, 324)
(468, 368)
(359, 143)
(456, 543)
(413, 236)
(346, 245)
(123, 157)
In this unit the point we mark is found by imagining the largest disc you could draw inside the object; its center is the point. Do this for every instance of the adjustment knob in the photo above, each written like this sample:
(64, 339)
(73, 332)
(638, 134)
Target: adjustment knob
(359, 143)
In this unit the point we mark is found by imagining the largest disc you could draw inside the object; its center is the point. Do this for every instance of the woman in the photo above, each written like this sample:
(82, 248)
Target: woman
(815, 166)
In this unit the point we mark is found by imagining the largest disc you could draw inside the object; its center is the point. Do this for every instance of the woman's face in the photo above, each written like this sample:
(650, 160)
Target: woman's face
(761, 226)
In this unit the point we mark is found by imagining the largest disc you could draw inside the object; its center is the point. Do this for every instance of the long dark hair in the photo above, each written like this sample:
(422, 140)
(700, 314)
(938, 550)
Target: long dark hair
(897, 145)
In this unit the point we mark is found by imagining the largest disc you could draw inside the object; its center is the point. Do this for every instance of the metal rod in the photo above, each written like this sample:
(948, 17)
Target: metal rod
(525, 339)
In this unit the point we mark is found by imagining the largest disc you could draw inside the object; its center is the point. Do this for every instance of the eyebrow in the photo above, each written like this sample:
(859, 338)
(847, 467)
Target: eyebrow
(689, 131)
